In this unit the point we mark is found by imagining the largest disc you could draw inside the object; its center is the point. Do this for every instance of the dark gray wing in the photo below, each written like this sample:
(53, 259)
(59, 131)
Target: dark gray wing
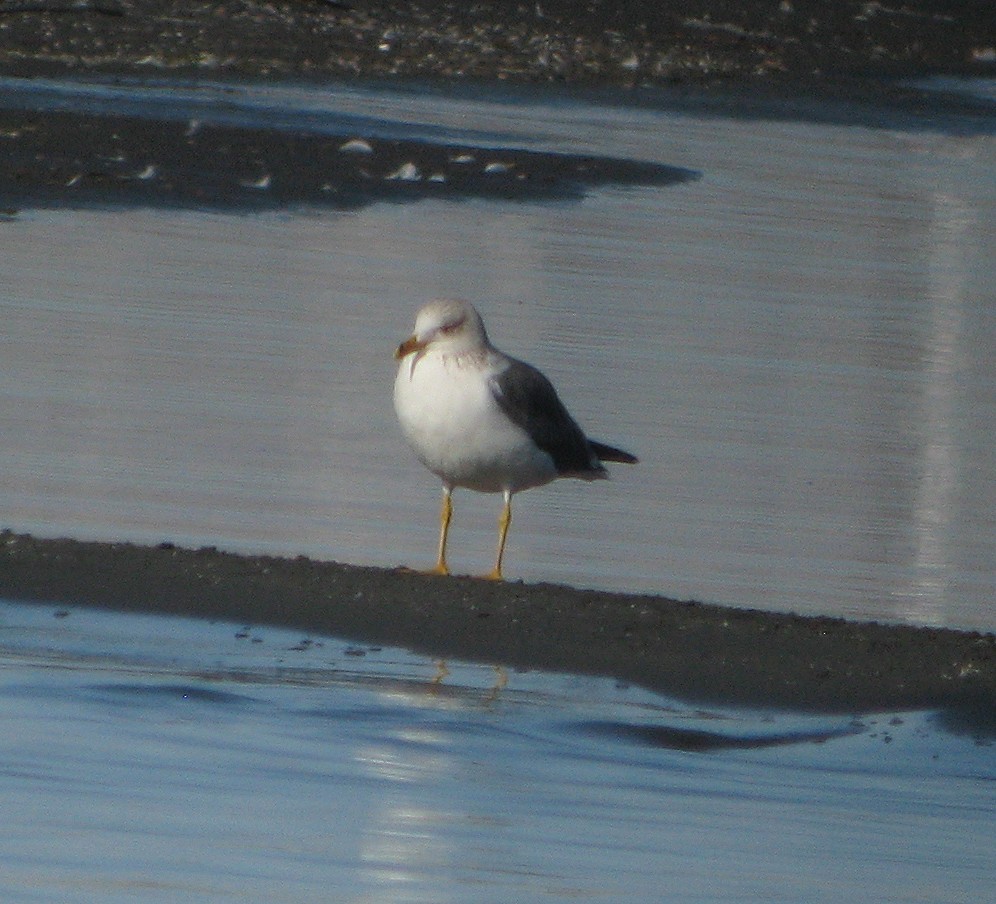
(531, 402)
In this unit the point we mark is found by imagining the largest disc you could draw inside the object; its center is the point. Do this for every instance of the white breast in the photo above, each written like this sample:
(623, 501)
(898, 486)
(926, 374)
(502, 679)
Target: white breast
(450, 418)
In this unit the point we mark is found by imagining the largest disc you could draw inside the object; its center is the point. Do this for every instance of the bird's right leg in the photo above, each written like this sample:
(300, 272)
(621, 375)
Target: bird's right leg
(445, 516)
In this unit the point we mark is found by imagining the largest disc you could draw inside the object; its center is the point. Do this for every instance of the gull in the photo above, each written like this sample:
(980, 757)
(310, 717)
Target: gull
(482, 420)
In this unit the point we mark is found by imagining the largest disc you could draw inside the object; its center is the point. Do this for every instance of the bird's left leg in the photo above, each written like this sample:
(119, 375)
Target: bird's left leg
(503, 522)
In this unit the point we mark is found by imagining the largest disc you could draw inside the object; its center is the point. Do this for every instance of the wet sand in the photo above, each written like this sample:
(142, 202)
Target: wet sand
(621, 43)
(689, 650)
(62, 158)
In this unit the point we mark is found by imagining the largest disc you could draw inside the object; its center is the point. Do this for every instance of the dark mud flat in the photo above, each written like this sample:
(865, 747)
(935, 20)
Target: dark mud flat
(692, 651)
(616, 42)
(60, 158)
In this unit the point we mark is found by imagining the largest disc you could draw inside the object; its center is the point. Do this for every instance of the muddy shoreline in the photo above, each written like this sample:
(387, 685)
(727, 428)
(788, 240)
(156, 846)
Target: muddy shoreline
(693, 651)
(839, 62)
(625, 43)
(62, 151)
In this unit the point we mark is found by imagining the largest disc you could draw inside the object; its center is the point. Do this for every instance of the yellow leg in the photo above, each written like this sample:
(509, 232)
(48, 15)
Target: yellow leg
(503, 522)
(445, 516)
(501, 682)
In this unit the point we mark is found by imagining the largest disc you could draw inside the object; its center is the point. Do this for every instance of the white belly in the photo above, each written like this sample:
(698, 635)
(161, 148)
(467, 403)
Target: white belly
(458, 431)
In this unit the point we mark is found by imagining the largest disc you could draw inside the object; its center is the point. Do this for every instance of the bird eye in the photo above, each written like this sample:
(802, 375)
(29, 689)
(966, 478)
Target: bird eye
(452, 327)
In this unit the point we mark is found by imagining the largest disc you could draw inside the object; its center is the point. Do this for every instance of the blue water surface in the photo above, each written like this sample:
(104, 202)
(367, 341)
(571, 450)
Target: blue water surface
(150, 759)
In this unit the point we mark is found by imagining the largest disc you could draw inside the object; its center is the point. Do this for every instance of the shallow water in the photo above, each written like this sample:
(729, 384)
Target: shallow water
(798, 346)
(159, 759)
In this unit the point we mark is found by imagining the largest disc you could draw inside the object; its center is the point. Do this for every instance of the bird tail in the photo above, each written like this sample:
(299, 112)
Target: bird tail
(610, 453)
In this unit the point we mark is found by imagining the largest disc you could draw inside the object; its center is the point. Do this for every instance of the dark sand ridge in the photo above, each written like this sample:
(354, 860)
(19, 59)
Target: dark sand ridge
(60, 158)
(691, 651)
(604, 42)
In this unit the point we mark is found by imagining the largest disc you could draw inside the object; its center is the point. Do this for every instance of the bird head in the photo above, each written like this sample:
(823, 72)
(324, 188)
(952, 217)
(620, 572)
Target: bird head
(451, 326)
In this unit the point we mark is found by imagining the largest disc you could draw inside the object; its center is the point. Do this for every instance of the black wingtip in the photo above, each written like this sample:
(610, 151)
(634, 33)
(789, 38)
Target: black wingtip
(611, 453)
